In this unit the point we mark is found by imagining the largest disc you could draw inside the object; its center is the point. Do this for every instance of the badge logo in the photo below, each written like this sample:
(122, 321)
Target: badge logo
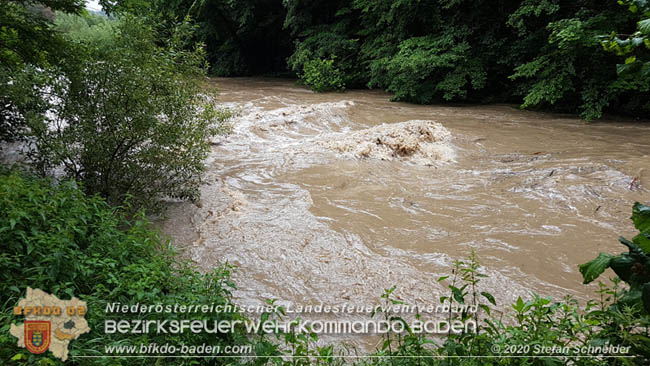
(37, 335)
(50, 323)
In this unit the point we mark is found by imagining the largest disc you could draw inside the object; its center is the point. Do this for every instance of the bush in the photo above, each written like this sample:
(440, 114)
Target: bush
(429, 68)
(322, 75)
(325, 42)
(55, 238)
(540, 331)
(128, 116)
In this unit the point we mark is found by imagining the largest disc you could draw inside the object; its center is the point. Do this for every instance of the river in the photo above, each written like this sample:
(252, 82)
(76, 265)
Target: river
(330, 198)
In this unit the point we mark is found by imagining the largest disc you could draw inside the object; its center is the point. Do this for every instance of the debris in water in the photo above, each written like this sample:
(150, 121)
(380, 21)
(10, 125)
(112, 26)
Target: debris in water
(418, 141)
(238, 199)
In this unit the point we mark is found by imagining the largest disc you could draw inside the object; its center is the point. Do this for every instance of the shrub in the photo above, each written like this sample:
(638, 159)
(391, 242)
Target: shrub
(54, 237)
(128, 116)
(321, 75)
(429, 68)
(538, 331)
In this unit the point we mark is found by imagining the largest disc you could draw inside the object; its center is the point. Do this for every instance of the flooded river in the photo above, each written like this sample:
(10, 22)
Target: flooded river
(330, 198)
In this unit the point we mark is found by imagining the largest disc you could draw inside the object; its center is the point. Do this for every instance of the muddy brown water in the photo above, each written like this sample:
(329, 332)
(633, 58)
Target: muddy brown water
(533, 194)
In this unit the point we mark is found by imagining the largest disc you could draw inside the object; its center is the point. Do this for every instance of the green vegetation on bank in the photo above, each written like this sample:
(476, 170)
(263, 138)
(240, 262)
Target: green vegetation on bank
(119, 106)
(116, 108)
(131, 115)
(584, 57)
(55, 238)
(632, 267)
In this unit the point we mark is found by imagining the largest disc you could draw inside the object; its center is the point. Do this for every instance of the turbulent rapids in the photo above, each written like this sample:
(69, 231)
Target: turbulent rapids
(419, 142)
(331, 198)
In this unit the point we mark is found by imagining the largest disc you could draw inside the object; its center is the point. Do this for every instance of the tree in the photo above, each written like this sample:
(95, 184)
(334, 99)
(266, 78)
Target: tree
(242, 37)
(542, 54)
(130, 116)
(634, 72)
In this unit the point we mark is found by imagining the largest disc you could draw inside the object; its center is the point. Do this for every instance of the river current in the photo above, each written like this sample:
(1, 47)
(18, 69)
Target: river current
(331, 198)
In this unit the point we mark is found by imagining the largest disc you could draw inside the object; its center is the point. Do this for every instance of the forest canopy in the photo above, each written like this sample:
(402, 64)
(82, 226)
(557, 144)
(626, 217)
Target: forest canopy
(583, 57)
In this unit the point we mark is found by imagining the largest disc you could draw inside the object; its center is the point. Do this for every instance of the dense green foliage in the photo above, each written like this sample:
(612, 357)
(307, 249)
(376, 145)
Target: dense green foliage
(552, 54)
(634, 74)
(146, 132)
(242, 37)
(543, 54)
(322, 75)
(144, 135)
(55, 238)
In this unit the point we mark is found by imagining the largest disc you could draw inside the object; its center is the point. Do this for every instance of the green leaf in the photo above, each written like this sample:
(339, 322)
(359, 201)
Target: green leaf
(18, 357)
(489, 297)
(519, 305)
(622, 266)
(641, 217)
(485, 308)
(594, 268)
(458, 294)
(386, 344)
(631, 298)
(623, 69)
(46, 362)
(643, 241)
(644, 26)
(630, 245)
